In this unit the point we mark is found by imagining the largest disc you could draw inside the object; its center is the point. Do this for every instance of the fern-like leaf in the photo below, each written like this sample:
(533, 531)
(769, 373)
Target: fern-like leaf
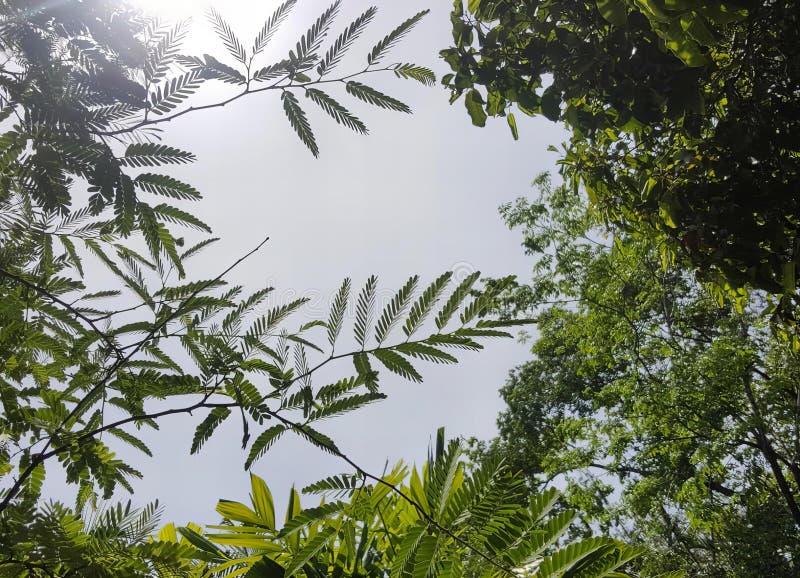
(166, 186)
(297, 118)
(339, 113)
(125, 205)
(395, 309)
(276, 70)
(153, 155)
(178, 216)
(364, 310)
(271, 26)
(426, 352)
(131, 440)
(456, 299)
(398, 364)
(172, 93)
(226, 35)
(163, 53)
(263, 442)
(309, 516)
(406, 551)
(311, 41)
(207, 427)
(309, 551)
(418, 73)
(374, 97)
(338, 308)
(317, 439)
(344, 405)
(345, 40)
(382, 47)
(212, 68)
(340, 485)
(422, 307)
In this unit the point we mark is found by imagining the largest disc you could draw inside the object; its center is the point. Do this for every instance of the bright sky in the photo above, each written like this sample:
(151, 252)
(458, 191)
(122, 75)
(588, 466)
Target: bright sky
(418, 195)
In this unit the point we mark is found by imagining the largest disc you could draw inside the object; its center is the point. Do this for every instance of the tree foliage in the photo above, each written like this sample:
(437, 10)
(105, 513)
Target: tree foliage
(673, 420)
(682, 116)
(83, 368)
(439, 520)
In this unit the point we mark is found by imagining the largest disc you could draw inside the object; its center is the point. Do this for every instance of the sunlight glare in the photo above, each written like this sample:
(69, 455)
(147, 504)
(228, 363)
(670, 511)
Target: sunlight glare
(173, 9)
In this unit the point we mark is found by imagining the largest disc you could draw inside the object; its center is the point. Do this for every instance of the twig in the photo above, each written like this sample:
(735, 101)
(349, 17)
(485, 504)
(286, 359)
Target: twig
(417, 506)
(69, 307)
(44, 453)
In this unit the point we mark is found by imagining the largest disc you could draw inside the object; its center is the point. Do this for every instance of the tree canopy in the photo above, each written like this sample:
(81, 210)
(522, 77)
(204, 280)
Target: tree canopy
(439, 520)
(682, 117)
(86, 366)
(671, 419)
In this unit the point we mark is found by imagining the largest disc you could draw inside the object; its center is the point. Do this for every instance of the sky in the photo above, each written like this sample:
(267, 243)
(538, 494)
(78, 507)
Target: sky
(418, 195)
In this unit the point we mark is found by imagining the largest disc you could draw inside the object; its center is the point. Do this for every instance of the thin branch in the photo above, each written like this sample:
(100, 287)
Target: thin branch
(42, 291)
(275, 86)
(44, 454)
(417, 506)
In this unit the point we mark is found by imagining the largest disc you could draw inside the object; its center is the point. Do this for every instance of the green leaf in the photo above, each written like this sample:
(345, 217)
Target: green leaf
(130, 440)
(426, 352)
(395, 309)
(336, 111)
(226, 35)
(297, 118)
(311, 41)
(153, 155)
(381, 48)
(339, 485)
(614, 11)
(309, 550)
(419, 73)
(551, 103)
(512, 124)
(364, 309)
(173, 92)
(456, 299)
(474, 103)
(372, 96)
(406, 551)
(426, 301)
(338, 308)
(309, 516)
(262, 501)
(200, 542)
(180, 217)
(263, 442)
(398, 364)
(237, 512)
(345, 40)
(166, 186)
(317, 439)
(271, 26)
(206, 428)
(344, 405)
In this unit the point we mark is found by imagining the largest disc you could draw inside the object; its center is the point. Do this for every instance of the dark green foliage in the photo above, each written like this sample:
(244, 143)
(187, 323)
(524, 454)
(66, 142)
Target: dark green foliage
(671, 420)
(682, 118)
(83, 367)
(54, 541)
(120, 76)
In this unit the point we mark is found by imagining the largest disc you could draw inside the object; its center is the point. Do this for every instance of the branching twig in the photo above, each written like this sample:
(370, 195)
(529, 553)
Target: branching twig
(46, 453)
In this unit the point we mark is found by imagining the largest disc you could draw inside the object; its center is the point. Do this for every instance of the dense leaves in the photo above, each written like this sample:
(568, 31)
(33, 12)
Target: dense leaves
(78, 78)
(671, 419)
(682, 116)
(439, 520)
(84, 367)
